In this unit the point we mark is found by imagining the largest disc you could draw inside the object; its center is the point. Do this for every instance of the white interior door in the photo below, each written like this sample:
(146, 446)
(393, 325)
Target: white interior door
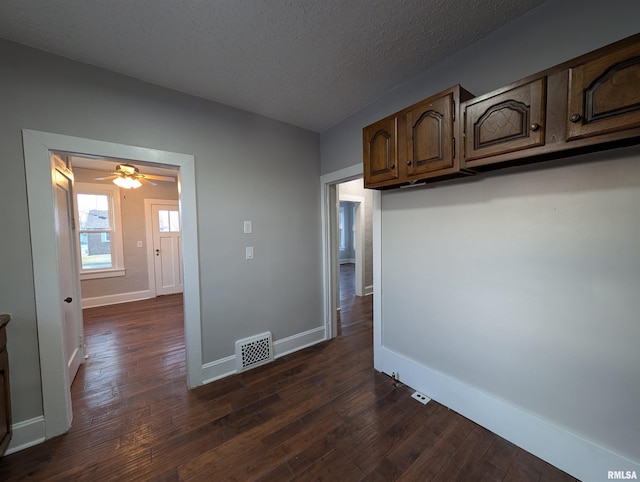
(67, 273)
(167, 249)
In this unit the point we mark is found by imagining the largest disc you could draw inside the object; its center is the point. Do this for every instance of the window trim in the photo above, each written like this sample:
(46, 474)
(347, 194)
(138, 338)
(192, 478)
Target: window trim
(117, 245)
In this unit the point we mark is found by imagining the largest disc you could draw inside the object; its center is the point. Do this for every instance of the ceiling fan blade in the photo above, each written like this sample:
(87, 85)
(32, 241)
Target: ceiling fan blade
(144, 178)
(102, 178)
(158, 178)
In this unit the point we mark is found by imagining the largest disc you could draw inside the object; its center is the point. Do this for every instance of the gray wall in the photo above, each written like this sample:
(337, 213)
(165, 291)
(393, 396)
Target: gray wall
(248, 168)
(522, 283)
(136, 277)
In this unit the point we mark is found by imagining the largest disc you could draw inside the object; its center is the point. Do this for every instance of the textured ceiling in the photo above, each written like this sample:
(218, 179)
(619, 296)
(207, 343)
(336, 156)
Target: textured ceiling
(310, 63)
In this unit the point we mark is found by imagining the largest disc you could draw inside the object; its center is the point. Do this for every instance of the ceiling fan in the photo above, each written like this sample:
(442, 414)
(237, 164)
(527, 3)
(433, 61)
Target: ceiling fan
(128, 176)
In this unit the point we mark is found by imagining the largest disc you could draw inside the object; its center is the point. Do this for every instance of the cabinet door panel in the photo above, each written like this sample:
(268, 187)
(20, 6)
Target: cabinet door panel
(506, 122)
(380, 151)
(604, 94)
(430, 136)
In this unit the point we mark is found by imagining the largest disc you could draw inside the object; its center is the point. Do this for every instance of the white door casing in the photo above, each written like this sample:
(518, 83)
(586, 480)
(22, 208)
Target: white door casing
(56, 396)
(67, 270)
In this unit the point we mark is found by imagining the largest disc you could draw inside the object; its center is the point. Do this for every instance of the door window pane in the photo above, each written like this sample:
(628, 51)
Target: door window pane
(168, 221)
(174, 221)
(163, 220)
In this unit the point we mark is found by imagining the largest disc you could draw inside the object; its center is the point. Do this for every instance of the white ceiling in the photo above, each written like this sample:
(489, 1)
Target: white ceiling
(310, 63)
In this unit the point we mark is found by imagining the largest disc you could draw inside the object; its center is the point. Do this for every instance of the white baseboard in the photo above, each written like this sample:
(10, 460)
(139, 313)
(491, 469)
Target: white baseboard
(218, 369)
(347, 261)
(224, 367)
(26, 434)
(299, 341)
(115, 299)
(578, 457)
(368, 290)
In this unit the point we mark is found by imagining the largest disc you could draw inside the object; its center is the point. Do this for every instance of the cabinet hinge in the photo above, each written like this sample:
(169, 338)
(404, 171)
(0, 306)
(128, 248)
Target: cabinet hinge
(453, 144)
(453, 105)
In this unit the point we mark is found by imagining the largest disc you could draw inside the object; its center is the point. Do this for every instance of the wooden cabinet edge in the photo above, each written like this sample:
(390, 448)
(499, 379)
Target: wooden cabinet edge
(6, 393)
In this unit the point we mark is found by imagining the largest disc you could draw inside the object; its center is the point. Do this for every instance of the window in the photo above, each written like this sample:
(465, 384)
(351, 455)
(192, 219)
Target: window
(99, 231)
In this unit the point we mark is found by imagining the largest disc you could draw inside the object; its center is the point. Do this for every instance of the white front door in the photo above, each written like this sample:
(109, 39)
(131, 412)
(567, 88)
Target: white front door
(67, 272)
(167, 249)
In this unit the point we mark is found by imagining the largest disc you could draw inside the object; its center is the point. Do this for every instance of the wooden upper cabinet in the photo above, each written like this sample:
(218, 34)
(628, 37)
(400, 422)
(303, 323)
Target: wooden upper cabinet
(604, 93)
(380, 152)
(415, 144)
(507, 120)
(587, 104)
(429, 131)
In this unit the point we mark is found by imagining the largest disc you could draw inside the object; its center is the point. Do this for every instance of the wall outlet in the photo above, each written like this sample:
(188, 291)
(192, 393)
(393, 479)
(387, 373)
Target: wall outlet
(423, 399)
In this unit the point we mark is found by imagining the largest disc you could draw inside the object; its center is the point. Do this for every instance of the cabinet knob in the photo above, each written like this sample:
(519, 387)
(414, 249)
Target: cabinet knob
(392, 166)
(534, 127)
(575, 118)
(408, 162)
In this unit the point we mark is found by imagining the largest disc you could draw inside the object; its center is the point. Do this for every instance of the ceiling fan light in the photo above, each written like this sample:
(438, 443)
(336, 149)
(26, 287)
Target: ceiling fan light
(127, 182)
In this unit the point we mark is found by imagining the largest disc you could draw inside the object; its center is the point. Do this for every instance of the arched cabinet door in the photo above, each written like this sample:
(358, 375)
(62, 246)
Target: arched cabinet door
(604, 94)
(505, 121)
(380, 152)
(417, 144)
(430, 136)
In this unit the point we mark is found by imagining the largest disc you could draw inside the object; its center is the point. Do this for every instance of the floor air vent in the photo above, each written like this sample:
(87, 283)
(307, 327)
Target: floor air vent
(254, 351)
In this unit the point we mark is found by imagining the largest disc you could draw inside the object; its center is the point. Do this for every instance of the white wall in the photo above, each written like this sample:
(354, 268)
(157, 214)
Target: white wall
(248, 168)
(519, 287)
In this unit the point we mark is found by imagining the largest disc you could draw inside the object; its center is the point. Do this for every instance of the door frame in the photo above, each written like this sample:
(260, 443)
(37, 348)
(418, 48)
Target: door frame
(56, 396)
(148, 221)
(330, 280)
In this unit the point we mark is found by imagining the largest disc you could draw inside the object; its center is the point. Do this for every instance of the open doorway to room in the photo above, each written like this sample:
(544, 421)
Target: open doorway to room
(346, 185)
(143, 256)
(38, 150)
(128, 251)
(354, 247)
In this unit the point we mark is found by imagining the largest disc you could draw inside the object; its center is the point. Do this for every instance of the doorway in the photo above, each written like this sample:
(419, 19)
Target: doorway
(38, 147)
(331, 185)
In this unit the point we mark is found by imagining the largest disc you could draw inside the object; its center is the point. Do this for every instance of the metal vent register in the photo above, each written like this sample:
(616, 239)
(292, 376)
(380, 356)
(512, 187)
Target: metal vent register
(254, 351)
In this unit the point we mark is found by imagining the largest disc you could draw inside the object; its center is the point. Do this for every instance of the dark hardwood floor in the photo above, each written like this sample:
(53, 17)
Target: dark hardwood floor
(323, 413)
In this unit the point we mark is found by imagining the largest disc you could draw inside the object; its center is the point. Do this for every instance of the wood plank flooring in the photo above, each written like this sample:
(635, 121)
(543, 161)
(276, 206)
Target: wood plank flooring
(320, 414)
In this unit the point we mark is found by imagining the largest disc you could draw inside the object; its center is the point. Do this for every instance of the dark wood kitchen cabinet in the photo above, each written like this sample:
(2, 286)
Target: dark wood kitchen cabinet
(587, 104)
(415, 144)
(507, 120)
(604, 93)
(5, 393)
(381, 152)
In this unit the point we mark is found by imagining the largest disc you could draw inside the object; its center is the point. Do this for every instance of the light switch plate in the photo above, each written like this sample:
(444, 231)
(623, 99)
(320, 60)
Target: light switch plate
(248, 253)
(248, 227)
